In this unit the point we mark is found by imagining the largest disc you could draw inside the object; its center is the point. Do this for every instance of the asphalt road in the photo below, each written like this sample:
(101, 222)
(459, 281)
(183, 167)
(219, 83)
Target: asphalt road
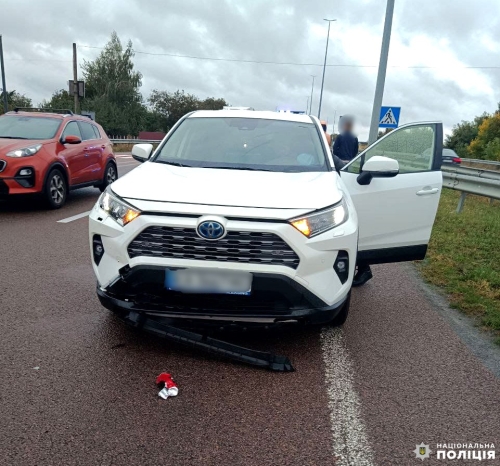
(77, 386)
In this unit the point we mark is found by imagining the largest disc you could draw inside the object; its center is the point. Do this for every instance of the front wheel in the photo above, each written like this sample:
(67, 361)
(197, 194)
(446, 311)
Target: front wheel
(110, 175)
(56, 189)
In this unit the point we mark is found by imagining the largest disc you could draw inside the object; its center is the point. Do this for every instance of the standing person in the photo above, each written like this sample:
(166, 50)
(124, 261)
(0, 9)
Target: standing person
(346, 144)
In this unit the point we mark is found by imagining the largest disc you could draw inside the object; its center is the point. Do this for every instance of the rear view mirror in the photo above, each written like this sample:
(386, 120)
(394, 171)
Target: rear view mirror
(378, 167)
(70, 139)
(142, 152)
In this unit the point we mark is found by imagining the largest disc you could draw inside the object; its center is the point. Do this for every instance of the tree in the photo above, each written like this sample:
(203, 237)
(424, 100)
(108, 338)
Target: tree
(463, 134)
(486, 145)
(14, 99)
(211, 103)
(112, 89)
(383, 133)
(60, 99)
(170, 106)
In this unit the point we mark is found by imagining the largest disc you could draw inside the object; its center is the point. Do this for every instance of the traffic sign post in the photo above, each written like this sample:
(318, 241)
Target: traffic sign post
(389, 117)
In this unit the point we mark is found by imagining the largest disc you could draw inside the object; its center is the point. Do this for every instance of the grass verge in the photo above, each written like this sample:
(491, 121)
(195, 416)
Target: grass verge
(464, 257)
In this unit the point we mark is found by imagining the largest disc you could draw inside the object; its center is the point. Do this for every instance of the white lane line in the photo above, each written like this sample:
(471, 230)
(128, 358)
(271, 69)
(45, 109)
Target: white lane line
(74, 217)
(350, 441)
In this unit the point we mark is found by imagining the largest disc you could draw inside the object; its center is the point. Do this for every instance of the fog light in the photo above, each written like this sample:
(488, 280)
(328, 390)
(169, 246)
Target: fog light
(341, 266)
(98, 249)
(26, 172)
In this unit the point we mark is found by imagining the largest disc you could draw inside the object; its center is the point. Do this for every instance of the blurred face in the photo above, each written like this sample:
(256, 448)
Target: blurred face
(348, 126)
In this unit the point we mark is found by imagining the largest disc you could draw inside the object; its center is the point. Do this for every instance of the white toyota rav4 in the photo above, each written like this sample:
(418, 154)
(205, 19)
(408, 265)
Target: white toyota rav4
(245, 216)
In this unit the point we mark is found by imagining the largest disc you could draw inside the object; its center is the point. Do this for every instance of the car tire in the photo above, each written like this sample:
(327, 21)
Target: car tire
(341, 317)
(56, 189)
(110, 175)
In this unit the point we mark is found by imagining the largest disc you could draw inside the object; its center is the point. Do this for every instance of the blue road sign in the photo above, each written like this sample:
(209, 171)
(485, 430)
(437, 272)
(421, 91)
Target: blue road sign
(389, 117)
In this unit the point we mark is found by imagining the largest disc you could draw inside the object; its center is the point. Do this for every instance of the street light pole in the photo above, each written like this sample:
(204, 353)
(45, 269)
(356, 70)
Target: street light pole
(311, 99)
(324, 66)
(382, 68)
(4, 87)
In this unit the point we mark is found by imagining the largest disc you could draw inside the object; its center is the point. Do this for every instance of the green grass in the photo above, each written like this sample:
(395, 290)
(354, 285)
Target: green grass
(464, 257)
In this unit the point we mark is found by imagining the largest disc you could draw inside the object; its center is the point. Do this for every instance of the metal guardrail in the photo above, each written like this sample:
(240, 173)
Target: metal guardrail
(134, 141)
(493, 163)
(469, 180)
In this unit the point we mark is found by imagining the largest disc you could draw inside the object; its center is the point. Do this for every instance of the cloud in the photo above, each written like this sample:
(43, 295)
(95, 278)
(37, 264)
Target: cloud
(448, 35)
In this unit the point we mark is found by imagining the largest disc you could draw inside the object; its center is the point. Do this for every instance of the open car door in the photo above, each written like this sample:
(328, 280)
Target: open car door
(396, 209)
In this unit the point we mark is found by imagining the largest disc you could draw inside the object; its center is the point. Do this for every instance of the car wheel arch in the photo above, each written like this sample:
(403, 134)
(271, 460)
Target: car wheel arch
(63, 170)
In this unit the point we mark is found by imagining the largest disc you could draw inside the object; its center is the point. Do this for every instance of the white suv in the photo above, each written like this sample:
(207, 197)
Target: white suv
(245, 216)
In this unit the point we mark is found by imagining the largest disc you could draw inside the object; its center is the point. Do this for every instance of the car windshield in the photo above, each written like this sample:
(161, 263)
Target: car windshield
(449, 153)
(245, 144)
(28, 127)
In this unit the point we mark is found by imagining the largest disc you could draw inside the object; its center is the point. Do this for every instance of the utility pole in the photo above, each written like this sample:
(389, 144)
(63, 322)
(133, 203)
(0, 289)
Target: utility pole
(324, 65)
(311, 99)
(75, 78)
(382, 69)
(4, 87)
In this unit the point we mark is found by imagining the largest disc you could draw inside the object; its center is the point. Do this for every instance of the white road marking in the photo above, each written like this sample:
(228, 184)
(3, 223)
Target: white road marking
(74, 217)
(350, 442)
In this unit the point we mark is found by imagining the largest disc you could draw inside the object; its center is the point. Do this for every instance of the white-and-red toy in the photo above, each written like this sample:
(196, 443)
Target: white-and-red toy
(167, 385)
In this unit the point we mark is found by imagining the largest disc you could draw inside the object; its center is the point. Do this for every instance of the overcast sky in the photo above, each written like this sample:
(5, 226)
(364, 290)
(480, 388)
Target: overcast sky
(446, 35)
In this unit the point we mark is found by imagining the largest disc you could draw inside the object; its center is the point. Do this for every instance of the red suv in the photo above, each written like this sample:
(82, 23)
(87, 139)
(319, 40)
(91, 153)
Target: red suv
(52, 153)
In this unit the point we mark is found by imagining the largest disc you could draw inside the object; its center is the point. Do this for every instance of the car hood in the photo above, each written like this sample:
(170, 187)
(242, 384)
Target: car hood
(240, 188)
(6, 145)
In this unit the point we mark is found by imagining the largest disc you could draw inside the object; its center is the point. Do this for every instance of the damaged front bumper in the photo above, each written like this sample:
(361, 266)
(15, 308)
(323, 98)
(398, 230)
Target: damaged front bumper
(275, 299)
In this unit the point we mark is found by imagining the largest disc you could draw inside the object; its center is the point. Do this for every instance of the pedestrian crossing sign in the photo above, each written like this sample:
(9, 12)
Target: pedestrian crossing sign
(389, 117)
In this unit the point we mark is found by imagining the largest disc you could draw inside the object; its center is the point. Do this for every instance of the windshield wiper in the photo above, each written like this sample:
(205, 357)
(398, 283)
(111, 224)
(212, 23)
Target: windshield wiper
(242, 168)
(12, 137)
(175, 164)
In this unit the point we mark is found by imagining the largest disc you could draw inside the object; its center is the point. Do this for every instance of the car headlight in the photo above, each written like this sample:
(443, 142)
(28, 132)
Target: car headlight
(26, 152)
(324, 220)
(117, 208)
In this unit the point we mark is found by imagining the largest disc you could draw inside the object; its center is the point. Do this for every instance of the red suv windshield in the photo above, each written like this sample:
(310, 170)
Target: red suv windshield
(28, 127)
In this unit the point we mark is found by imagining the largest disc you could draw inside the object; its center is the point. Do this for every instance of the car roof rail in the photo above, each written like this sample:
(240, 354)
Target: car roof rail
(63, 111)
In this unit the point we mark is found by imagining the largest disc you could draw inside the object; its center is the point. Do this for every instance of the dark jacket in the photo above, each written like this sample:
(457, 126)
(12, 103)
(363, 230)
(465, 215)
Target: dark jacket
(346, 146)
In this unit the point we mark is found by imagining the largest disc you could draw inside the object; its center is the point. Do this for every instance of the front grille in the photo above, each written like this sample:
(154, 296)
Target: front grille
(3, 164)
(236, 246)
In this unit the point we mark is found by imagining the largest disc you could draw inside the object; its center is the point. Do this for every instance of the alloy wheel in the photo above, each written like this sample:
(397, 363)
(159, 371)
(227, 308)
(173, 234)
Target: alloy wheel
(110, 174)
(57, 189)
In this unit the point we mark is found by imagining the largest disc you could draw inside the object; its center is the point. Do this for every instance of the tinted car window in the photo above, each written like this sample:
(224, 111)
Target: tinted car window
(87, 131)
(72, 129)
(27, 127)
(245, 143)
(449, 153)
(96, 132)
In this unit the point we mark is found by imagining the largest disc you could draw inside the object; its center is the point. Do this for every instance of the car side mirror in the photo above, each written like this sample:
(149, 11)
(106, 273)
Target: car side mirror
(142, 152)
(378, 167)
(71, 139)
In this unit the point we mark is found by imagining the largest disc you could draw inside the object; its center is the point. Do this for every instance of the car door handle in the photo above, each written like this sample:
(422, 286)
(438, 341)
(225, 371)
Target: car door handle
(426, 192)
